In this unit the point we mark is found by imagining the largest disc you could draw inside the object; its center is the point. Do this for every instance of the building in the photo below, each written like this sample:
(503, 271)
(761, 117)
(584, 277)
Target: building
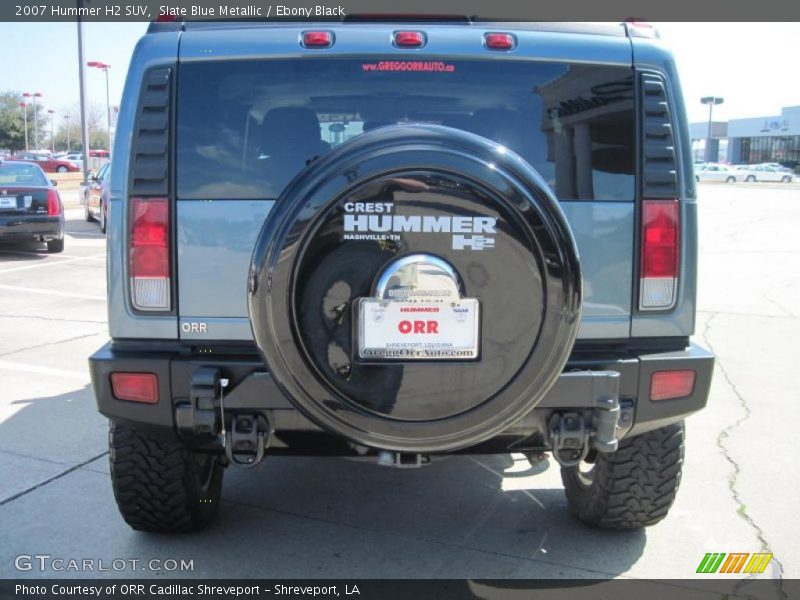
(753, 140)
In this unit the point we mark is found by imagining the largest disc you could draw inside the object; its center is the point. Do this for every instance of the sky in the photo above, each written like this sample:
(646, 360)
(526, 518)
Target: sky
(752, 65)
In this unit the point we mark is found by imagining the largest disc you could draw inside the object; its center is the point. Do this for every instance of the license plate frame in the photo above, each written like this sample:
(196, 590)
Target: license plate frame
(8, 202)
(454, 335)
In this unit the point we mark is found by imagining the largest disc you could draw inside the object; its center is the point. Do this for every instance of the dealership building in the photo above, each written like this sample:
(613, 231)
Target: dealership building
(774, 138)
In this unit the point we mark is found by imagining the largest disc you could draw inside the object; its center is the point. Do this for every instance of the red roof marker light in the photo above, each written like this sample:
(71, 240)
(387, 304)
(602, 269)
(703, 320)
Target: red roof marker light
(409, 39)
(499, 41)
(317, 39)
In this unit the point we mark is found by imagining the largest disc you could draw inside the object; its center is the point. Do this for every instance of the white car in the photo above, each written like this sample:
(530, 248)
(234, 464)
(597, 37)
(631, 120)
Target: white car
(764, 173)
(76, 158)
(715, 172)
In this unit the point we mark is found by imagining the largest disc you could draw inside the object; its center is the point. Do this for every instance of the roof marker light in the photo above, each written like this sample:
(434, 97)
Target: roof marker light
(409, 39)
(499, 41)
(317, 39)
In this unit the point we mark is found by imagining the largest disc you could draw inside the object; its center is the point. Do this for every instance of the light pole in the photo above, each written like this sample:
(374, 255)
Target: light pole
(711, 101)
(52, 114)
(66, 117)
(34, 95)
(104, 67)
(24, 106)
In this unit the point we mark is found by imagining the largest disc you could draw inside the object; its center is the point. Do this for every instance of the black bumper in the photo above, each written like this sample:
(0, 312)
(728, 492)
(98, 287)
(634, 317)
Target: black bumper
(251, 390)
(31, 228)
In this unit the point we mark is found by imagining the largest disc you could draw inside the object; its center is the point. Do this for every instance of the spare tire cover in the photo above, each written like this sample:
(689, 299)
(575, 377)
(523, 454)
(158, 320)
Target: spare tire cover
(308, 274)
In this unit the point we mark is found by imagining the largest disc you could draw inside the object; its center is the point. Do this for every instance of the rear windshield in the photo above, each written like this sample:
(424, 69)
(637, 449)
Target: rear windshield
(21, 174)
(246, 128)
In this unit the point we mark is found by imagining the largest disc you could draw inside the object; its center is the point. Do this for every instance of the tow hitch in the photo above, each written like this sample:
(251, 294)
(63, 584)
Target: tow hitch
(249, 435)
(574, 434)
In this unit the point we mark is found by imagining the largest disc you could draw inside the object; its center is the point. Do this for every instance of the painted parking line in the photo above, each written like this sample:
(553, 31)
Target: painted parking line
(19, 288)
(26, 368)
(51, 263)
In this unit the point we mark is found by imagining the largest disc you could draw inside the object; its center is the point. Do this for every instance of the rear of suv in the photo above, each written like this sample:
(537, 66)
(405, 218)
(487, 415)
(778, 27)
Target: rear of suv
(400, 240)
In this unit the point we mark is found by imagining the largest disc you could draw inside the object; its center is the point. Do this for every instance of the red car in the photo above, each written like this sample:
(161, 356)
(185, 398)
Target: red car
(47, 163)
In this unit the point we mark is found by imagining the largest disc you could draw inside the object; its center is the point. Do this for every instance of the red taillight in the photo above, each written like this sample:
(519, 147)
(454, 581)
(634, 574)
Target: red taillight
(499, 41)
(149, 253)
(135, 387)
(53, 203)
(666, 385)
(317, 39)
(409, 39)
(660, 253)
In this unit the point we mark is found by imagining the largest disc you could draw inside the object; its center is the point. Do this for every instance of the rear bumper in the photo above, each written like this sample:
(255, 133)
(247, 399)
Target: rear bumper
(251, 390)
(24, 228)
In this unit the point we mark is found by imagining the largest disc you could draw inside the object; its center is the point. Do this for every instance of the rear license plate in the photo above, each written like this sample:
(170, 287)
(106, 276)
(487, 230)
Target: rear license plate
(8, 202)
(394, 330)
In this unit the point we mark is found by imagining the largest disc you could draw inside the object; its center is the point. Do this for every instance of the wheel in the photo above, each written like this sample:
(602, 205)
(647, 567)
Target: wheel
(62, 169)
(631, 488)
(102, 217)
(88, 213)
(750, 178)
(160, 485)
(730, 180)
(55, 246)
(786, 179)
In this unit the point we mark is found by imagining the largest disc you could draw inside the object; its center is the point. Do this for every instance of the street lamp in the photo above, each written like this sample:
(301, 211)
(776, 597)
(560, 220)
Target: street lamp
(66, 117)
(52, 114)
(34, 95)
(711, 101)
(104, 67)
(24, 106)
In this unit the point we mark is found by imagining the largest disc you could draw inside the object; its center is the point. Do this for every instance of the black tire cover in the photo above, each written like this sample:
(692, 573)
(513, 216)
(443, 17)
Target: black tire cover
(305, 278)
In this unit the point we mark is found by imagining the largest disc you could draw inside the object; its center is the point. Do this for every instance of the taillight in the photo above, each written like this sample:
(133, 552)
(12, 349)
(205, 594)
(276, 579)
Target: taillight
(499, 41)
(149, 253)
(53, 203)
(317, 39)
(660, 254)
(409, 39)
(135, 387)
(667, 385)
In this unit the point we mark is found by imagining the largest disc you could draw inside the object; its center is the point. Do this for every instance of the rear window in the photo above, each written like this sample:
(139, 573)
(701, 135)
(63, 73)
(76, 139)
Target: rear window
(246, 128)
(21, 174)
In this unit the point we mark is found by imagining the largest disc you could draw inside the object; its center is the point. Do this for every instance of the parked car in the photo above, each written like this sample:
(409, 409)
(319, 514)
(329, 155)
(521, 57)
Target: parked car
(417, 290)
(96, 196)
(99, 153)
(47, 163)
(76, 158)
(716, 172)
(764, 173)
(30, 206)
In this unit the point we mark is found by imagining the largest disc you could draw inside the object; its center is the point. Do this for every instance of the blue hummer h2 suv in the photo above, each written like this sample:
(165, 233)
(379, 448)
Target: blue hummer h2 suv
(396, 241)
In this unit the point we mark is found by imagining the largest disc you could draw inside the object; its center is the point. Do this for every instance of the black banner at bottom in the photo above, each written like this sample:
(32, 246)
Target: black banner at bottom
(405, 589)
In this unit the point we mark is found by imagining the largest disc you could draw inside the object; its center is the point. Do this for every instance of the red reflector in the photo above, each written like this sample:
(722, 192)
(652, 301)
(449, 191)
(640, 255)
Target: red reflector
(665, 385)
(409, 39)
(135, 387)
(53, 203)
(499, 41)
(317, 39)
(659, 238)
(149, 252)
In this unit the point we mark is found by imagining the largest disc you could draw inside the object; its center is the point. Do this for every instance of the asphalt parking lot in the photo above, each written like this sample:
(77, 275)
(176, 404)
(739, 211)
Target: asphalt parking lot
(487, 517)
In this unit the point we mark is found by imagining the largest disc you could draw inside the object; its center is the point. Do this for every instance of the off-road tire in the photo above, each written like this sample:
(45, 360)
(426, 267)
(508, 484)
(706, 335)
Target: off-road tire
(55, 246)
(633, 487)
(160, 485)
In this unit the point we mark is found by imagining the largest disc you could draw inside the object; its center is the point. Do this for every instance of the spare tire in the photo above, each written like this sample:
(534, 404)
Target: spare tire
(430, 202)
